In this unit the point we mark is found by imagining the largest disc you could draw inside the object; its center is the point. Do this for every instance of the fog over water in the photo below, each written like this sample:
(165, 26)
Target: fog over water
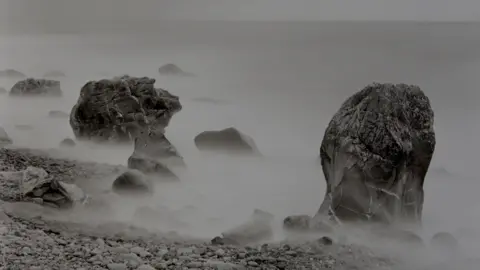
(280, 83)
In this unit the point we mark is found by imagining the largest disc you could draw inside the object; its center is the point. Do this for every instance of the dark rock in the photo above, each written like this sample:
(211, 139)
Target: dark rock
(58, 114)
(4, 138)
(36, 87)
(132, 183)
(11, 73)
(326, 241)
(67, 142)
(305, 223)
(117, 109)
(172, 69)
(444, 241)
(228, 140)
(3, 90)
(54, 74)
(219, 241)
(375, 154)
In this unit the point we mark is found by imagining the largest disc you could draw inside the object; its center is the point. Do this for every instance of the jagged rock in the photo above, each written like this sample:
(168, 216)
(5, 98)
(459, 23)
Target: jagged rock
(4, 138)
(11, 73)
(444, 241)
(67, 142)
(36, 183)
(258, 228)
(3, 90)
(117, 109)
(54, 74)
(58, 114)
(36, 87)
(172, 69)
(132, 183)
(375, 154)
(228, 140)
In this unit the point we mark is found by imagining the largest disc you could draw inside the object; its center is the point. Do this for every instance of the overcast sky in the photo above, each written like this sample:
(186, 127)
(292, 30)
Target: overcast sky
(67, 12)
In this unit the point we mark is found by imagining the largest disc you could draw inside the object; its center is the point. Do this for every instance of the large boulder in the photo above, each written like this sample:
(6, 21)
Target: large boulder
(125, 109)
(172, 69)
(11, 73)
(228, 140)
(36, 87)
(375, 154)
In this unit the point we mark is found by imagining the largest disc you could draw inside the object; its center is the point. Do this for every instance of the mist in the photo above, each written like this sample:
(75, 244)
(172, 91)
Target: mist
(278, 82)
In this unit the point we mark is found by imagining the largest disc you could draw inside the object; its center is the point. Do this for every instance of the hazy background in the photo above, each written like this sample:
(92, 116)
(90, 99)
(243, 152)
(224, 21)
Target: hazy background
(279, 81)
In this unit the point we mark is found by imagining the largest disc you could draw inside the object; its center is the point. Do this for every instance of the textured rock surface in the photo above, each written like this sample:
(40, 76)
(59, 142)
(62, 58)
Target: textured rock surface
(11, 73)
(117, 109)
(36, 87)
(375, 154)
(228, 140)
(4, 138)
(172, 69)
(132, 183)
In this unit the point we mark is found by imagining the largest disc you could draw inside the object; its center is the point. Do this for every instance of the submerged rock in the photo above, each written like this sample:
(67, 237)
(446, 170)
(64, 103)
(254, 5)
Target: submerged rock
(58, 114)
(132, 183)
(228, 140)
(375, 154)
(67, 142)
(4, 138)
(12, 73)
(172, 69)
(54, 74)
(36, 87)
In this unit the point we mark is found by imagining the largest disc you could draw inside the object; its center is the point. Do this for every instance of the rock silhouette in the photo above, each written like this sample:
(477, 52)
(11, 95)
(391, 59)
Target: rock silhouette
(67, 142)
(132, 183)
(12, 73)
(3, 90)
(228, 140)
(36, 87)
(172, 69)
(125, 109)
(375, 154)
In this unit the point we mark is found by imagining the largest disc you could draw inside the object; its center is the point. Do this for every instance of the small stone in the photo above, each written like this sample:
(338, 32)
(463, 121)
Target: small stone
(145, 267)
(220, 252)
(327, 241)
(117, 266)
(252, 263)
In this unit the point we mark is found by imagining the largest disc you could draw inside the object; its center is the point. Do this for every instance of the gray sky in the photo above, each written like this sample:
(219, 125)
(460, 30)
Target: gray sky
(73, 12)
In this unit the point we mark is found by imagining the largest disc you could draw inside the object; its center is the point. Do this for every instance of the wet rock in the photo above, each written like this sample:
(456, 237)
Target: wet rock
(67, 142)
(36, 87)
(54, 74)
(11, 73)
(228, 140)
(444, 241)
(4, 138)
(3, 90)
(375, 154)
(58, 114)
(172, 69)
(132, 183)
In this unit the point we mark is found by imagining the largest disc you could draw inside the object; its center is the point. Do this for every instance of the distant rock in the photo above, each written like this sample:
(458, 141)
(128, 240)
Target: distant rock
(444, 242)
(67, 142)
(228, 140)
(132, 183)
(23, 127)
(172, 69)
(125, 109)
(58, 114)
(36, 87)
(4, 138)
(54, 74)
(12, 73)
(375, 154)
(3, 90)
